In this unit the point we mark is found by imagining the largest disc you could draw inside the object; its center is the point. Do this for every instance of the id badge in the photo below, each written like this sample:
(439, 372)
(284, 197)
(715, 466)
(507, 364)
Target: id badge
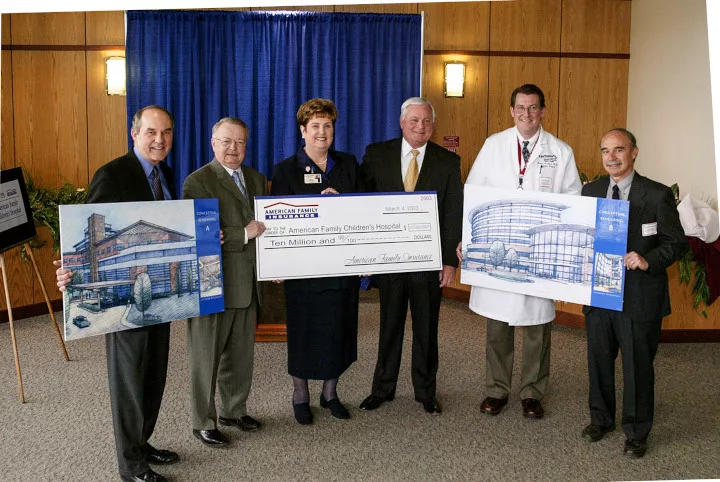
(545, 182)
(649, 229)
(313, 178)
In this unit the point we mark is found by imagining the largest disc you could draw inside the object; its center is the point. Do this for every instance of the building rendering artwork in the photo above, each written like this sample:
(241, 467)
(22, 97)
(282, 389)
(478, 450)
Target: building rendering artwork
(141, 269)
(541, 244)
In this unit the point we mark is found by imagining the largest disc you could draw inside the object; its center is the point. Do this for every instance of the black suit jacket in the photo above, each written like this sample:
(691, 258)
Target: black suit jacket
(440, 172)
(289, 179)
(646, 292)
(123, 180)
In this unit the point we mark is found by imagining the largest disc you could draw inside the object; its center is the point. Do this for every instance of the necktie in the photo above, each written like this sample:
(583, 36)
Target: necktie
(412, 173)
(616, 192)
(525, 152)
(156, 185)
(236, 178)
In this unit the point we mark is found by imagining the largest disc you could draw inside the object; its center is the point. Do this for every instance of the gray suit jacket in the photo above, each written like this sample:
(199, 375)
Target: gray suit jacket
(213, 181)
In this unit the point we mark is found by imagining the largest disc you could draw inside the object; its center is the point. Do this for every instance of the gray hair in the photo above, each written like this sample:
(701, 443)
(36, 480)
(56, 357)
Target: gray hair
(416, 101)
(627, 133)
(230, 120)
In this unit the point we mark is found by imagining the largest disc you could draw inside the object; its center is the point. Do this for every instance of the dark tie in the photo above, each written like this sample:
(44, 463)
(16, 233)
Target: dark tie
(156, 184)
(236, 178)
(616, 192)
(525, 152)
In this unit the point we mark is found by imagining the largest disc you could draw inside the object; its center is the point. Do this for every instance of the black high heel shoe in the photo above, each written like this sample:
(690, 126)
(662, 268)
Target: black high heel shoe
(336, 408)
(303, 415)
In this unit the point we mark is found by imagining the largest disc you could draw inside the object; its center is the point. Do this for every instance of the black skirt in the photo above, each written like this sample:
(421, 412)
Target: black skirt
(321, 327)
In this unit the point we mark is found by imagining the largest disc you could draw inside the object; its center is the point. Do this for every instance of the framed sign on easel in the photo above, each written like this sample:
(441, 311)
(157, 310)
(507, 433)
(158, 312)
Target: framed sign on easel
(17, 228)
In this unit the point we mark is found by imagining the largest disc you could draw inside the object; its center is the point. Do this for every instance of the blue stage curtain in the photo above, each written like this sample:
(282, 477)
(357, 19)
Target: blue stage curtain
(261, 66)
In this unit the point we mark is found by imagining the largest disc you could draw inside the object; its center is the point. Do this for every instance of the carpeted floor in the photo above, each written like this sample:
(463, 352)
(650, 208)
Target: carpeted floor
(64, 431)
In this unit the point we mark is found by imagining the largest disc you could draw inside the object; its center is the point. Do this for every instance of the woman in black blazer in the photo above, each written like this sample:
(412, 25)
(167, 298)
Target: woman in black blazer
(322, 313)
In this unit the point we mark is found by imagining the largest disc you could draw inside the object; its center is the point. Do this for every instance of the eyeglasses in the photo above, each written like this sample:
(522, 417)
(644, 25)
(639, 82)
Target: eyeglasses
(227, 142)
(521, 109)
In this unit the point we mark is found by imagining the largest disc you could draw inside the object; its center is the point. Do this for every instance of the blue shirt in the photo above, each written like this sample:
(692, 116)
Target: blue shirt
(148, 167)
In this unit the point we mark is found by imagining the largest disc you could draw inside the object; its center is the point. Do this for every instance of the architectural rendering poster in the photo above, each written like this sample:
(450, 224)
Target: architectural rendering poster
(139, 264)
(556, 246)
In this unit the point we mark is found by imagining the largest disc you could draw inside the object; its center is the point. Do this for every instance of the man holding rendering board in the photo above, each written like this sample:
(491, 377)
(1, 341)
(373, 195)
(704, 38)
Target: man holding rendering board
(137, 359)
(529, 158)
(655, 239)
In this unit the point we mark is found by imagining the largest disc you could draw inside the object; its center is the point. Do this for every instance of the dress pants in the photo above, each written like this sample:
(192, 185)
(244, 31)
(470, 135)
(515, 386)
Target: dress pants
(137, 366)
(221, 348)
(500, 354)
(422, 291)
(608, 331)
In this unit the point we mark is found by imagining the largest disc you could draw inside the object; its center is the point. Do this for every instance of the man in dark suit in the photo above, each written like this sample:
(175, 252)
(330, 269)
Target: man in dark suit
(412, 163)
(137, 359)
(221, 345)
(655, 239)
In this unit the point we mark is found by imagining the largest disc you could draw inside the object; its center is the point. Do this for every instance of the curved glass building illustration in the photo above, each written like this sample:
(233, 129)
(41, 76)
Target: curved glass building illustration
(527, 237)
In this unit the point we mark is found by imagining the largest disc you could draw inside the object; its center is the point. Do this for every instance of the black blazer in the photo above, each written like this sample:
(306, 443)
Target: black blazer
(123, 180)
(289, 176)
(440, 172)
(289, 180)
(646, 292)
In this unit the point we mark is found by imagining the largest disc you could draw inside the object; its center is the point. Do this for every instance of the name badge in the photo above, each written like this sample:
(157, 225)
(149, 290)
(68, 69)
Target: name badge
(649, 229)
(313, 178)
(545, 182)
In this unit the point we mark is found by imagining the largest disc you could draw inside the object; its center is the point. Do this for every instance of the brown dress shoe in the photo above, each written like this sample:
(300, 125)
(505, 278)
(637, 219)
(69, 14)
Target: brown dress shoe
(532, 408)
(492, 405)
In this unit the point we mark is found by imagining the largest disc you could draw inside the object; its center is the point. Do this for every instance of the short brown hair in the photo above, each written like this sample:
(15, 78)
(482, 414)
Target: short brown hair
(137, 118)
(316, 107)
(528, 89)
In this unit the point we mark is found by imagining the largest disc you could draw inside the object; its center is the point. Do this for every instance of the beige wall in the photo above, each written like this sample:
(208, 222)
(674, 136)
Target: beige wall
(669, 104)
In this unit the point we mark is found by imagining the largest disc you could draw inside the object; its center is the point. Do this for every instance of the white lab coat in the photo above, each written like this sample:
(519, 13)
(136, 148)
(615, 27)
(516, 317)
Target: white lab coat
(551, 168)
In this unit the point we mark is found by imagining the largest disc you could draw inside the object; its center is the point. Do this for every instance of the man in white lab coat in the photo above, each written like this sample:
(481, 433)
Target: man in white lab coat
(529, 158)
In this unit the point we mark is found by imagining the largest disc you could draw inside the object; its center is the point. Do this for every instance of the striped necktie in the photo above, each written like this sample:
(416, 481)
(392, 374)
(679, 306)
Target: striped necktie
(156, 184)
(236, 178)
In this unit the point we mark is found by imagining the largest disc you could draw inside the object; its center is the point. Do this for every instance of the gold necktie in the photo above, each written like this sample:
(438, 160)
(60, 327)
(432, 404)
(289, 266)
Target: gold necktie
(412, 173)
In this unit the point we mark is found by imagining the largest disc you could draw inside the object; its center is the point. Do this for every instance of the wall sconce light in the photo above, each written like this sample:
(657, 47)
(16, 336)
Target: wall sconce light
(115, 75)
(454, 79)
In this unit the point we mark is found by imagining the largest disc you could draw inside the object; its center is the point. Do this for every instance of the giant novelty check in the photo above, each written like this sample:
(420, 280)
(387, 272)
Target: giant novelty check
(347, 234)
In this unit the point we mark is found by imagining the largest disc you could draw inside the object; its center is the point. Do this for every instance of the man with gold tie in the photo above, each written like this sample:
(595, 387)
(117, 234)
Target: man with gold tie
(413, 163)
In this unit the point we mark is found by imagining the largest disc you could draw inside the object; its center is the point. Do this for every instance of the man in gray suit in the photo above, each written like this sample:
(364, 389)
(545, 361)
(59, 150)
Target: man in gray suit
(221, 345)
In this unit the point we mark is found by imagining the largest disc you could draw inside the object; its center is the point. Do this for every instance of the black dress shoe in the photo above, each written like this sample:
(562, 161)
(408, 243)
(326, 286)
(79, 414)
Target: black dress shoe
(303, 415)
(532, 408)
(161, 457)
(246, 423)
(635, 448)
(593, 433)
(431, 406)
(372, 401)
(149, 476)
(211, 438)
(492, 405)
(336, 408)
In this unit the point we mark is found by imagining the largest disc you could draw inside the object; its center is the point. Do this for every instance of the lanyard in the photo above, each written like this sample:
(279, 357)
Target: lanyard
(523, 165)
